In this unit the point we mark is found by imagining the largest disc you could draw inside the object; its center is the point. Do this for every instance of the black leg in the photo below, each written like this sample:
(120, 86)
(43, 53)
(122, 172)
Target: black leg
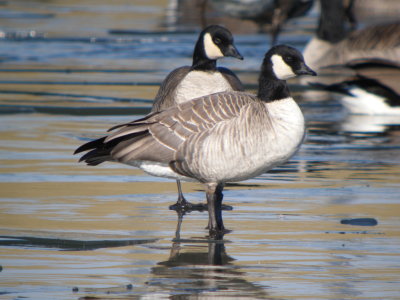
(214, 202)
(182, 205)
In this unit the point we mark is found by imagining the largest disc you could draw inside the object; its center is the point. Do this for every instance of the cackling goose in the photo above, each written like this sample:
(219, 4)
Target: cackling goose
(200, 79)
(222, 137)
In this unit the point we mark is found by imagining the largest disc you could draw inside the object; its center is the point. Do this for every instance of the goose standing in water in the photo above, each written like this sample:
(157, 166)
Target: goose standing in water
(200, 79)
(215, 139)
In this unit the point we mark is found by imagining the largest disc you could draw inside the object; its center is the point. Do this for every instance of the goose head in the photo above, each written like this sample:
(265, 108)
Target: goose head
(282, 62)
(214, 42)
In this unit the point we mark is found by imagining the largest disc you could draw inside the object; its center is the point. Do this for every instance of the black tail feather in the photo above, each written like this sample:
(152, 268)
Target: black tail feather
(100, 151)
(342, 87)
(91, 145)
(95, 157)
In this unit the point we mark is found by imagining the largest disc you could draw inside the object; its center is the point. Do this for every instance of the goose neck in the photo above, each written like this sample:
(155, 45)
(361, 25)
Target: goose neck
(272, 89)
(204, 64)
(332, 21)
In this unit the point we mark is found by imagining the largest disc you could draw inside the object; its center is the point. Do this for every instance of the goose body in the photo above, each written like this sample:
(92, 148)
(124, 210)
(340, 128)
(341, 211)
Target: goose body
(200, 79)
(219, 138)
(373, 89)
(377, 41)
(212, 143)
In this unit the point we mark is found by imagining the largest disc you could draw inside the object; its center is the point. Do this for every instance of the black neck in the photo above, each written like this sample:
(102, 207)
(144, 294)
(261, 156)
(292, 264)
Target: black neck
(201, 63)
(272, 89)
(200, 60)
(332, 21)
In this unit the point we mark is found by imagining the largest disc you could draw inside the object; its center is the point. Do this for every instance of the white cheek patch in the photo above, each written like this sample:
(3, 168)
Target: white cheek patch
(281, 69)
(212, 50)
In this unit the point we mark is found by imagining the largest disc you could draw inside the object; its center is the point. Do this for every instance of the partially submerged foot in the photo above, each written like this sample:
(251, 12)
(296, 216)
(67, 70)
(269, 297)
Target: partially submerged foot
(183, 205)
(186, 206)
(218, 234)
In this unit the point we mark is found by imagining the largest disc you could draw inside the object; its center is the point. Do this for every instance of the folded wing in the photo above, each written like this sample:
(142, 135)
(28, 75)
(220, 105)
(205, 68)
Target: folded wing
(159, 137)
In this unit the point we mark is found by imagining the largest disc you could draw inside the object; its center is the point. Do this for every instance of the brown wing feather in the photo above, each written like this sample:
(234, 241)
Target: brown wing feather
(142, 149)
(378, 37)
(162, 135)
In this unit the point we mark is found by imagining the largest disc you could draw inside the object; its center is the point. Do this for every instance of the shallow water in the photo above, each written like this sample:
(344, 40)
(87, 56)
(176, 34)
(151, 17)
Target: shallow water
(69, 231)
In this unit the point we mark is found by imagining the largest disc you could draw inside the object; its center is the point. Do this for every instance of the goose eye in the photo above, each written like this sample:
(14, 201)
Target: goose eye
(217, 41)
(288, 58)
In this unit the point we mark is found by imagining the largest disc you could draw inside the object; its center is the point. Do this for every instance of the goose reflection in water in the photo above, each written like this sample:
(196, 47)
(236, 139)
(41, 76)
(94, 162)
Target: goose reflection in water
(200, 267)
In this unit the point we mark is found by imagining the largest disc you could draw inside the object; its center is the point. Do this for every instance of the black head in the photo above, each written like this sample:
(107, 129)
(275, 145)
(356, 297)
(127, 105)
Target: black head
(283, 62)
(280, 63)
(214, 42)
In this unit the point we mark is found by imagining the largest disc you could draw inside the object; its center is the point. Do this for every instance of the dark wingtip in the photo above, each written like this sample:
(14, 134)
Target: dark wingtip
(90, 145)
(79, 149)
(94, 157)
(342, 87)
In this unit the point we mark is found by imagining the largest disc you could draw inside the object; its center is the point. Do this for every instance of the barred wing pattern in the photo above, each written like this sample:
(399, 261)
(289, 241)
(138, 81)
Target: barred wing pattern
(162, 137)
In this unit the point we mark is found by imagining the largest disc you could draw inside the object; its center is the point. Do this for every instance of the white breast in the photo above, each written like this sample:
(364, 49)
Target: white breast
(199, 83)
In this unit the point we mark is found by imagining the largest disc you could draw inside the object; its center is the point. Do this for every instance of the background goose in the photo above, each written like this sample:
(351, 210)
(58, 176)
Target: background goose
(373, 89)
(241, 16)
(203, 77)
(200, 79)
(334, 43)
(219, 138)
(274, 13)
